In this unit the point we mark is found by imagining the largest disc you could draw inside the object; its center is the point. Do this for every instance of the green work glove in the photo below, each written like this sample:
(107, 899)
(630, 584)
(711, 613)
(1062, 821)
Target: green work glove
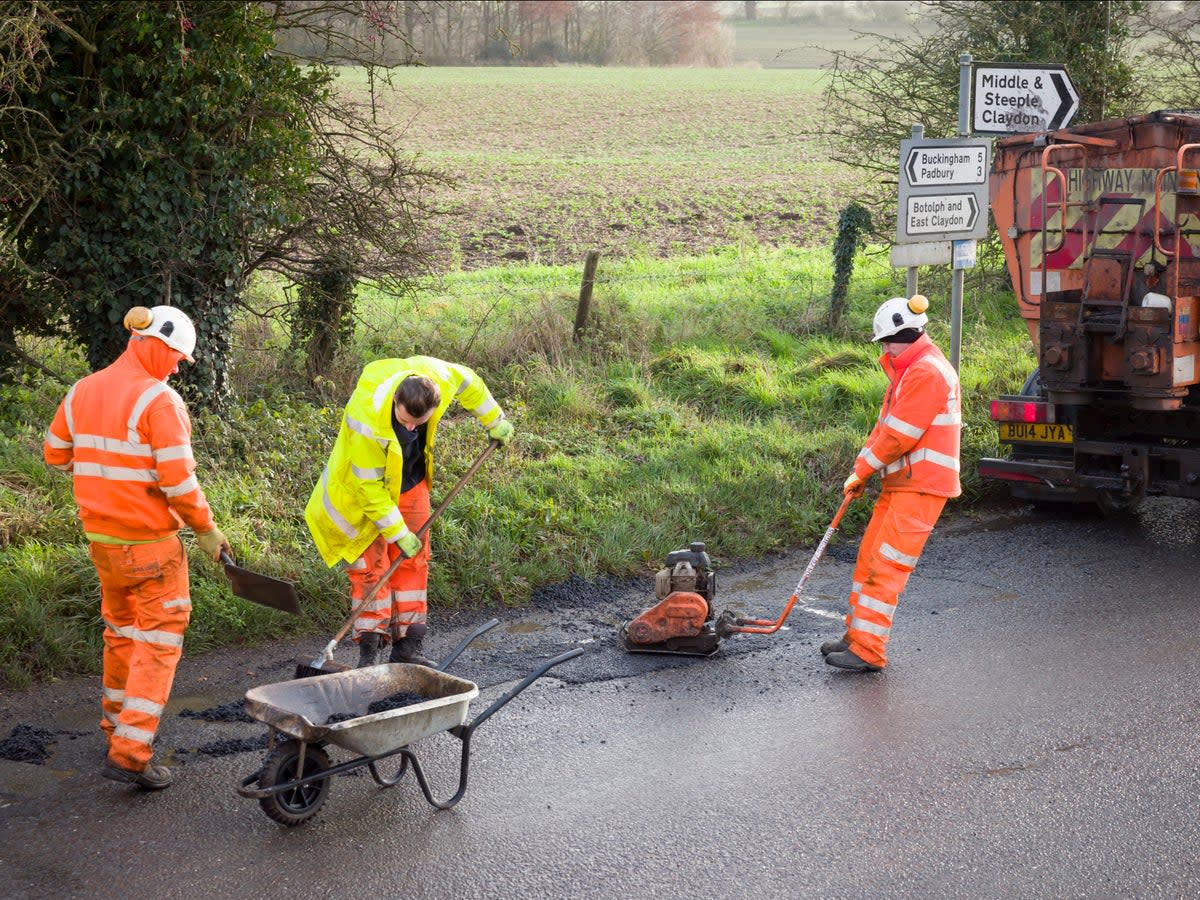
(854, 486)
(410, 544)
(213, 542)
(502, 431)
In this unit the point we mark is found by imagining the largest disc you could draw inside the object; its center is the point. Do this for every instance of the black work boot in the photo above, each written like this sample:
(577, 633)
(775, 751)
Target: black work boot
(841, 645)
(851, 662)
(408, 648)
(151, 778)
(368, 649)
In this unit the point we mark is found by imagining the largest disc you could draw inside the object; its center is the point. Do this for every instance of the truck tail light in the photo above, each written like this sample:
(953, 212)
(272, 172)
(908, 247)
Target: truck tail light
(1022, 411)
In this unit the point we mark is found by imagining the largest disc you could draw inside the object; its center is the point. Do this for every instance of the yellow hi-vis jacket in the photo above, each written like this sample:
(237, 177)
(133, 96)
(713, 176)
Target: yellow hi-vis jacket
(355, 500)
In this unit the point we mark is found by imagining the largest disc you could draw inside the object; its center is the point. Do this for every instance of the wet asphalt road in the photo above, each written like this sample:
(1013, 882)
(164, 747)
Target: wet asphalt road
(1034, 736)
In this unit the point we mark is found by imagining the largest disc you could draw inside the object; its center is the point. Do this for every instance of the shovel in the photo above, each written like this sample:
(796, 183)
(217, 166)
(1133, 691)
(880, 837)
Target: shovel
(323, 664)
(274, 593)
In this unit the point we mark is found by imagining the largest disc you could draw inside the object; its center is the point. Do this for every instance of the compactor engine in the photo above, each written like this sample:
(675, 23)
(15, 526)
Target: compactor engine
(680, 622)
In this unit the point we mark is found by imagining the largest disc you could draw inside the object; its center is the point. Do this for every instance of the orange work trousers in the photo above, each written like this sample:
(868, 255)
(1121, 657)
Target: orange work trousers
(900, 525)
(403, 600)
(145, 605)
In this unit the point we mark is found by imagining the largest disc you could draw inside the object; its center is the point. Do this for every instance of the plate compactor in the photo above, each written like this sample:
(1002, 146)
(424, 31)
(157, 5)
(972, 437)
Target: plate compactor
(682, 622)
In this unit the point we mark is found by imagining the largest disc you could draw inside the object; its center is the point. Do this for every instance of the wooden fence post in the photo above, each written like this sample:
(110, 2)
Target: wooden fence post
(585, 293)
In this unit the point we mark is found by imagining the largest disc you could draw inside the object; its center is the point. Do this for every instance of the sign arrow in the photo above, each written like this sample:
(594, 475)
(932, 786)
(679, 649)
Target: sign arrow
(1068, 100)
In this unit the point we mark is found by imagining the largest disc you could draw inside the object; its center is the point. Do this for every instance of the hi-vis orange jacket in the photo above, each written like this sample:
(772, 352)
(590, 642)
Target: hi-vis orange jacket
(126, 438)
(915, 442)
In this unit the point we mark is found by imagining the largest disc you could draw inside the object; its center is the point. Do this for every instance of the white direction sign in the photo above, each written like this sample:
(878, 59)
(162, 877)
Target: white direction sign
(943, 190)
(939, 166)
(1011, 98)
(939, 214)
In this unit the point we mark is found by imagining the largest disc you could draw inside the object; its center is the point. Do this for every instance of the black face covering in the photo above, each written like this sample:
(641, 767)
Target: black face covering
(403, 435)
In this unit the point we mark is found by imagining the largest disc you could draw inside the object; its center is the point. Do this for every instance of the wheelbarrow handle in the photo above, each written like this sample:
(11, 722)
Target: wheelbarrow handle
(457, 651)
(526, 682)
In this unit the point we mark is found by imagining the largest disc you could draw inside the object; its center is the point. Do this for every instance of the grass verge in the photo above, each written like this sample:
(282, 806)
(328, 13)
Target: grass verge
(708, 401)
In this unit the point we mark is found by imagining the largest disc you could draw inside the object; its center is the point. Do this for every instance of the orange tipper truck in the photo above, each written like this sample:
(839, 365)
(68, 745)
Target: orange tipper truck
(1101, 231)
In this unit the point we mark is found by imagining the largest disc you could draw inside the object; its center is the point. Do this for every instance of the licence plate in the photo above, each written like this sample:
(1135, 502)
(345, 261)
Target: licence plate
(1036, 432)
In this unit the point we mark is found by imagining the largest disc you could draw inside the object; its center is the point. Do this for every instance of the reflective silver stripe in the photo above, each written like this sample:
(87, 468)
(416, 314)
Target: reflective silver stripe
(887, 551)
(409, 618)
(944, 369)
(56, 442)
(389, 520)
(179, 451)
(186, 486)
(139, 704)
(870, 627)
(898, 424)
(357, 566)
(137, 735)
(923, 455)
(66, 467)
(947, 419)
(367, 474)
(379, 603)
(932, 456)
(115, 473)
(67, 410)
(855, 587)
(888, 609)
(110, 716)
(871, 458)
(484, 408)
(360, 428)
(466, 383)
(112, 445)
(387, 388)
(334, 516)
(172, 604)
(410, 596)
(113, 694)
(140, 407)
(164, 638)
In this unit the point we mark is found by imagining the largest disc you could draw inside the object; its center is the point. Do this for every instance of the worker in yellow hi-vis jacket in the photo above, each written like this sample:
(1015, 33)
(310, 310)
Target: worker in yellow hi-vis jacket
(374, 492)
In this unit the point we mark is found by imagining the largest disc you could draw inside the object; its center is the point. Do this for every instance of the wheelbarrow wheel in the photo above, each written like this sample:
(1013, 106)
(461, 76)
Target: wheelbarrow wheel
(298, 804)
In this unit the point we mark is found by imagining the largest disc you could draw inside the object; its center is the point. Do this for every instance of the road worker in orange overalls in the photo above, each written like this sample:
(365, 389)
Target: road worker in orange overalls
(915, 448)
(126, 439)
(374, 493)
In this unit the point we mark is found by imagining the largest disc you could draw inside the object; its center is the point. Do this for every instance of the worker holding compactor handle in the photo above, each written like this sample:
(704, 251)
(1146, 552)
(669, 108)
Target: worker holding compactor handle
(914, 447)
(374, 493)
(126, 439)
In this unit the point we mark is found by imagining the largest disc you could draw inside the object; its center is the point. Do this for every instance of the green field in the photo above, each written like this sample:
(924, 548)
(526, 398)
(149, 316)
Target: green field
(709, 400)
(553, 162)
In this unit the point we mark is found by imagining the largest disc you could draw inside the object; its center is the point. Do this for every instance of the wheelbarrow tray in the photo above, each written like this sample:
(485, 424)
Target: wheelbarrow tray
(300, 707)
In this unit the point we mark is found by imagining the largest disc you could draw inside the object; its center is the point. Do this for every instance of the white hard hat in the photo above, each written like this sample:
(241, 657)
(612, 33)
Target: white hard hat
(167, 323)
(900, 313)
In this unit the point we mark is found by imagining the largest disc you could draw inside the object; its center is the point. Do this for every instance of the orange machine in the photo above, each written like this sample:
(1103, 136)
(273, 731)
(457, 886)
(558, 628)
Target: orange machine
(1100, 225)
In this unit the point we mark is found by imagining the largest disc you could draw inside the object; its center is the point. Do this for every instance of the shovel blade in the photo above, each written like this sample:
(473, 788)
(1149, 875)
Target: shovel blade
(275, 593)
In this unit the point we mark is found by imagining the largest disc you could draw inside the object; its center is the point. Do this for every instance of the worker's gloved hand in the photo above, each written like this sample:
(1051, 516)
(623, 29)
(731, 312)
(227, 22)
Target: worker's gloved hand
(213, 542)
(854, 486)
(502, 431)
(410, 545)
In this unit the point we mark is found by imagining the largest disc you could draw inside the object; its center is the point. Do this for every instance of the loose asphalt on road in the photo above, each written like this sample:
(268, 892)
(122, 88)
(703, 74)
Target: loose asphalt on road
(1033, 736)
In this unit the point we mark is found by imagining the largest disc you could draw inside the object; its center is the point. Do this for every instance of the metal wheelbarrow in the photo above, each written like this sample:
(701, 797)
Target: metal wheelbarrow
(295, 778)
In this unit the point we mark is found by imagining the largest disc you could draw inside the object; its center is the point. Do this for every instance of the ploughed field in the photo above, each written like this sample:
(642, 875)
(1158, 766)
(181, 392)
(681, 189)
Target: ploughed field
(552, 162)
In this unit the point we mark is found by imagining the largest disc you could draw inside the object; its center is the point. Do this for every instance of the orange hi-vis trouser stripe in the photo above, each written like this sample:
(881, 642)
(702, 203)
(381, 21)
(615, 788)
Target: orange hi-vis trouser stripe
(145, 604)
(402, 601)
(900, 525)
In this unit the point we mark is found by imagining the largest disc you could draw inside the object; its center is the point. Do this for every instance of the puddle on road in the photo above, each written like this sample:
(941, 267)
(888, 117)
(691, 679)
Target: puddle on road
(524, 628)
